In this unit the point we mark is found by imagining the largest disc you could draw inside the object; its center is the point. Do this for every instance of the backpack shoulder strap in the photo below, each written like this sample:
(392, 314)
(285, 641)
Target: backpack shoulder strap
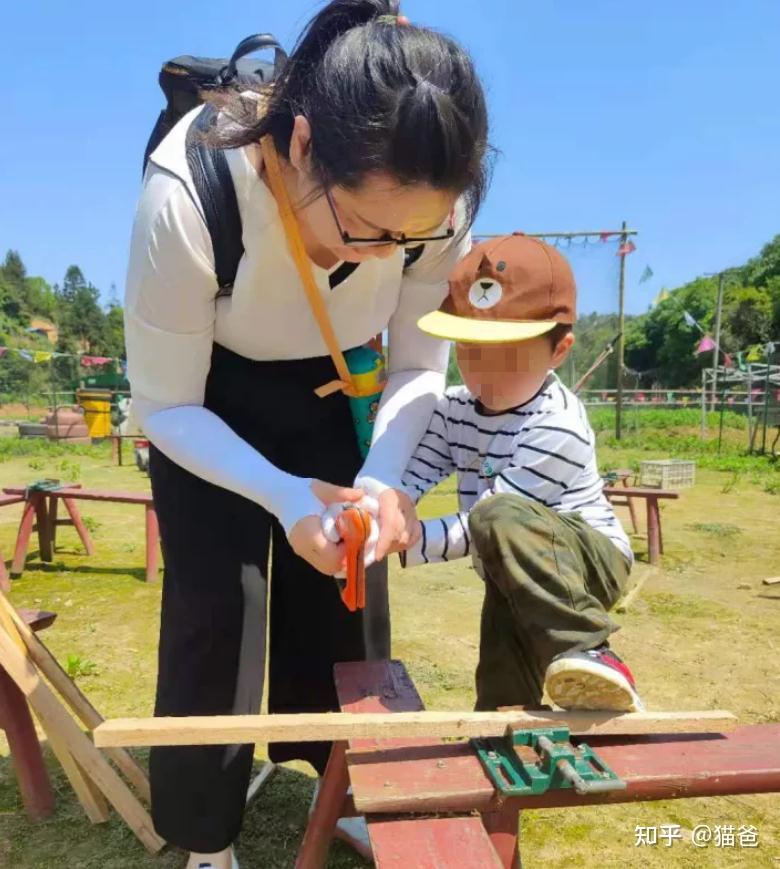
(214, 185)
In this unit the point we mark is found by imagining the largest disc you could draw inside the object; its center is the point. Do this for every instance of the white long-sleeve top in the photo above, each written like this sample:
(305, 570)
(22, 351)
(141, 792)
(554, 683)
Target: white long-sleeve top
(543, 450)
(172, 320)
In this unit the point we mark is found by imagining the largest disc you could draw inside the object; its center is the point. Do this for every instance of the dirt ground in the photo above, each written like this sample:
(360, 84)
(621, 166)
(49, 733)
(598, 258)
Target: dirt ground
(703, 634)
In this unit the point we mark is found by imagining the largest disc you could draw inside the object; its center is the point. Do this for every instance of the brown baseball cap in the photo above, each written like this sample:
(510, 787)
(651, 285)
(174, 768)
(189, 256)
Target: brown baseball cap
(506, 289)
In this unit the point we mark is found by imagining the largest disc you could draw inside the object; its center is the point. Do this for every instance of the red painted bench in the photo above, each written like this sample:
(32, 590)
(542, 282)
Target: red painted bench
(16, 721)
(69, 495)
(655, 540)
(5, 501)
(399, 784)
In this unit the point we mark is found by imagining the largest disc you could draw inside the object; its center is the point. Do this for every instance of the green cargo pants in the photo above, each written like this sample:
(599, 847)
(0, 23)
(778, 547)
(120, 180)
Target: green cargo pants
(549, 580)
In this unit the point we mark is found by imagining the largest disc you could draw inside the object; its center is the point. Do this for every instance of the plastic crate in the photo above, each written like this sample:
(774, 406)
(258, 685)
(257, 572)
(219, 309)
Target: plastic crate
(667, 474)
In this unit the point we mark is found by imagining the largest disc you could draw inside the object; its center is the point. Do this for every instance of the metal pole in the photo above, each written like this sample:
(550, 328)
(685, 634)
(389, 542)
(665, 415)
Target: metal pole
(750, 409)
(704, 404)
(766, 405)
(716, 351)
(720, 423)
(591, 232)
(621, 342)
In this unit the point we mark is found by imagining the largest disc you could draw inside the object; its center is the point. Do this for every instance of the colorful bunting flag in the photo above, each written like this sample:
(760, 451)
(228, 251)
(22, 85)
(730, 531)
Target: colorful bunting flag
(689, 319)
(705, 344)
(42, 356)
(627, 248)
(604, 236)
(754, 354)
(646, 275)
(662, 296)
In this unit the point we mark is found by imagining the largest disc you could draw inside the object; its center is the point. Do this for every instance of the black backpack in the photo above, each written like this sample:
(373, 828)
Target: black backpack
(183, 81)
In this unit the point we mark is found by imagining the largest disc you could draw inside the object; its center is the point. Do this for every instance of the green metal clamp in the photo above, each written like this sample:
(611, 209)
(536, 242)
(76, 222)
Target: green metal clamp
(560, 764)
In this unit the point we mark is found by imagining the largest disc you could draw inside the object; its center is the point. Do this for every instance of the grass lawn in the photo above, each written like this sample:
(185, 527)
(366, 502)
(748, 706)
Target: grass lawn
(704, 633)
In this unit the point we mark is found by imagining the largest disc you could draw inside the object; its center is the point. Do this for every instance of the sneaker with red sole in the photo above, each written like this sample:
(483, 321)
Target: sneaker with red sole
(596, 679)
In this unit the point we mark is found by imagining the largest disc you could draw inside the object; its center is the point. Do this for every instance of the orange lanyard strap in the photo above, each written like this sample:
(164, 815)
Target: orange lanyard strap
(354, 526)
(303, 264)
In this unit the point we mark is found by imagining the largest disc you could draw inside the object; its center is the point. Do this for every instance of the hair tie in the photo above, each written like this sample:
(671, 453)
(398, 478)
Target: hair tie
(392, 19)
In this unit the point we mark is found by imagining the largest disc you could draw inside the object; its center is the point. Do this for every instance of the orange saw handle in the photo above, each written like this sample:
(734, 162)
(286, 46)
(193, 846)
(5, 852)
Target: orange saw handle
(354, 527)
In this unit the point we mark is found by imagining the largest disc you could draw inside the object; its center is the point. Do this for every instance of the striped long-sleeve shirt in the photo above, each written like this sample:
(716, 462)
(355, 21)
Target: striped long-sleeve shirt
(543, 450)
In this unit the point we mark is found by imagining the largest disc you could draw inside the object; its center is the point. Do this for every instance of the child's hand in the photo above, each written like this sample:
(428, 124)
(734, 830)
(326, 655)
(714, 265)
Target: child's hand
(399, 527)
(328, 518)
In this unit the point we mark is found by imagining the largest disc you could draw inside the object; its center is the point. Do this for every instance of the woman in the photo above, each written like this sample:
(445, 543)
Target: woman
(381, 132)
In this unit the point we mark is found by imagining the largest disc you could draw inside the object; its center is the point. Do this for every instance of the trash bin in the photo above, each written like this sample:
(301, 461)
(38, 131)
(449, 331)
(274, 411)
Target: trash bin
(97, 411)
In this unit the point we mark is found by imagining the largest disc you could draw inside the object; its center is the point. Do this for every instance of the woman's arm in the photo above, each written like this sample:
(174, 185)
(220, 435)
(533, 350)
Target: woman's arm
(417, 365)
(169, 323)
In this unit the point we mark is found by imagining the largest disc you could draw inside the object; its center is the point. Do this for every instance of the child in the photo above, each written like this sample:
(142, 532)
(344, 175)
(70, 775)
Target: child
(533, 517)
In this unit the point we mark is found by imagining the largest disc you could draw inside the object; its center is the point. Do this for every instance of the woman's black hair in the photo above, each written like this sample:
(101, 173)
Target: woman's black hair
(379, 96)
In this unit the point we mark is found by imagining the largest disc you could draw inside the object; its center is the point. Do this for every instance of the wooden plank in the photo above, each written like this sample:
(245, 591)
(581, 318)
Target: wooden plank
(88, 794)
(450, 778)
(637, 492)
(436, 843)
(119, 497)
(56, 720)
(70, 692)
(334, 726)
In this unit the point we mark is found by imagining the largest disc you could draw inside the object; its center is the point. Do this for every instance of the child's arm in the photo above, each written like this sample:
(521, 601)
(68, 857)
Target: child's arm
(444, 539)
(542, 469)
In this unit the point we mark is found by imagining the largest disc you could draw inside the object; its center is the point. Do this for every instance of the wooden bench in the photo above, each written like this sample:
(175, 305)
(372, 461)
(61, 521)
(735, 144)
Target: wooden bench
(655, 540)
(5, 582)
(401, 785)
(16, 721)
(47, 518)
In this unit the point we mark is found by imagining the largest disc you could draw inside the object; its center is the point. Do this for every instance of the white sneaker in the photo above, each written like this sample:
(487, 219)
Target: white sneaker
(233, 862)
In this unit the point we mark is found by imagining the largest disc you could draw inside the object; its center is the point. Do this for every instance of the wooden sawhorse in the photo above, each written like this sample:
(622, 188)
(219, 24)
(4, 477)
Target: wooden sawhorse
(47, 519)
(400, 784)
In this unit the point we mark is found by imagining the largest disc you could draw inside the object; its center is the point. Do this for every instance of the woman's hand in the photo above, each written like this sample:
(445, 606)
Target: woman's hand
(307, 539)
(399, 528)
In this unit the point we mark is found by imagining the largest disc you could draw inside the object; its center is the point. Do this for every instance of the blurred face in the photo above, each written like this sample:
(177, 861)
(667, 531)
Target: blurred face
(505, 375)
(379, 208)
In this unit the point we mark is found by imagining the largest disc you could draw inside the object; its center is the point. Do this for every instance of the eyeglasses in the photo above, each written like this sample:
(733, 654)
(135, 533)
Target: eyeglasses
(400, 239)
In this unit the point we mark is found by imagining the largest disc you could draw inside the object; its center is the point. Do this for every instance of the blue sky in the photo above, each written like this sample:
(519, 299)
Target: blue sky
(662, 114)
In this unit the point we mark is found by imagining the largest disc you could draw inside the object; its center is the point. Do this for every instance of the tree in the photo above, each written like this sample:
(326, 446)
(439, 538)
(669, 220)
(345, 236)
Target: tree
(759, 270)
(115, 333)
(747, 318)
(662, 345)
(81, 319)
(13, 275)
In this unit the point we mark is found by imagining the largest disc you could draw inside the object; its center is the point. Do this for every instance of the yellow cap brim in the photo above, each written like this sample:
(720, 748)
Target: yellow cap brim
(470, 331)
